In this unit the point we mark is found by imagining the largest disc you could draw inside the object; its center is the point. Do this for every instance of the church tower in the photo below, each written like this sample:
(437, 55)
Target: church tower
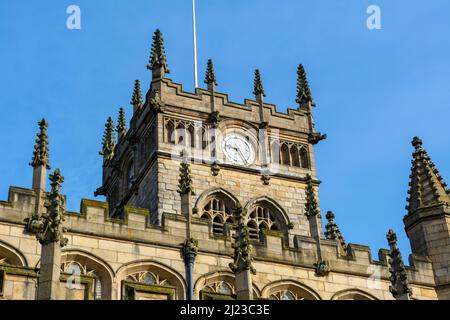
(240, 154)
(428, 220)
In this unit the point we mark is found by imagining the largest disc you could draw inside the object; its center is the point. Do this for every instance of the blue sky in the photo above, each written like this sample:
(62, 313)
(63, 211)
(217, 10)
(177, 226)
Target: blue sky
(374, 89)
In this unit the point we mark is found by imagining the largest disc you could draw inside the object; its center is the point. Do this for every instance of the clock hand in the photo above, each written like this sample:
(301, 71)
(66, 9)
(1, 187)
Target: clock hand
(242, 156)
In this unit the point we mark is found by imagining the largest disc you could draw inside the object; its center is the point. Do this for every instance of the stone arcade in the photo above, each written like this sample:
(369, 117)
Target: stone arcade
(210, 199)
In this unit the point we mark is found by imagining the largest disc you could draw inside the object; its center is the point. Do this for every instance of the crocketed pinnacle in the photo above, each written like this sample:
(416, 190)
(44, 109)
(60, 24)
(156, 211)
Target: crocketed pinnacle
(108, 139)
(158, 54)
(311, 206)
(41, 151)
(258, 87)
(136, 99)
(332, 230)
(121, 123)
(399, 278)
(185, 180)
(303, 91)
(242, 257)
(210, 77)
(426, 187)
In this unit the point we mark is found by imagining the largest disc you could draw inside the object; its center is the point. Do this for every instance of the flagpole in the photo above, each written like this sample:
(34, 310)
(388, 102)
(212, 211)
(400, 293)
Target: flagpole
(195, 45)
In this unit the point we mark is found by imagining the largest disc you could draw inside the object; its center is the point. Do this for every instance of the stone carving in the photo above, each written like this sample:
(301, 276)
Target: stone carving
(210, 78)
(242, 259)
(40, 153)
(332, 230)
(400, 288)
(136, 99)
(311, 206)
(185, 180)
(108, 142)
(121, 123)
(427, 187)
(323, 268)
(258, 88)
(49, 227)
(158, 54)
(215, 168)
(190, 246)
(156, 104)
(265, 179)
(303, 91)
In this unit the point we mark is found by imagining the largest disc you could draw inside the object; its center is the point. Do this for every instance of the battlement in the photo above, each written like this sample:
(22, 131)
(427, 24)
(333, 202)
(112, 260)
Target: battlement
(93, 221)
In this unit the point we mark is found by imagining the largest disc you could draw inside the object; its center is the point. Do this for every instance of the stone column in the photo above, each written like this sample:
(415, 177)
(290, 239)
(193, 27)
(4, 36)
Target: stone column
(40, 164)
(312, 212)
(242, 258)
(214, 117)
(190, 246)
(258, 91)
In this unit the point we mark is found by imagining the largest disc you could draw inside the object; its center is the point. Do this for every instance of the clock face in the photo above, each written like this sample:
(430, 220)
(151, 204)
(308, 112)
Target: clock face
(238, 150)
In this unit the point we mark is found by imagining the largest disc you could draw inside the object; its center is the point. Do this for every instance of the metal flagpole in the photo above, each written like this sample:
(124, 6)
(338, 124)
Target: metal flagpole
(195, 45)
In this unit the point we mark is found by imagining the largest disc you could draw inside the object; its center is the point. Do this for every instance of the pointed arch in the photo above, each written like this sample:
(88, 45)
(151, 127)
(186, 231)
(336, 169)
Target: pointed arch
(304, 158)
(212, 282)
(285, 158)
(166, 274)
(291, 288)
(170, 131)
(92, 265)
(217, 204)
(353, 294)
(11, 255)
(219, 192)
(295, 159)
(267, 201)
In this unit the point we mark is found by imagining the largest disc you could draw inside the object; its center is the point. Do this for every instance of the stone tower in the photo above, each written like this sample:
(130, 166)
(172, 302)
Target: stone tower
(247, 153)
(428, 220)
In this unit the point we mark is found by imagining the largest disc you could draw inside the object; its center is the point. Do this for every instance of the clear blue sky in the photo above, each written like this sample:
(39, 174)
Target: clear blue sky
(374, 90)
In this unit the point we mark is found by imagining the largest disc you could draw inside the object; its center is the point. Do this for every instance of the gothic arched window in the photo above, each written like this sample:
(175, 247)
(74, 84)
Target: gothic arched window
(285, 156)
(285, 295)
(289, 290)
(170, 132)
(304, 158)
(295, 156)
(190, 136)
(181, 134)
(204, 138)
(219, 212)
(261, 218)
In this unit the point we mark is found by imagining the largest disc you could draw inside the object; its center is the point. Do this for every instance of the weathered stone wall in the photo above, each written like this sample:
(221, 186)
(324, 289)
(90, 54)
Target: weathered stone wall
(116, 249)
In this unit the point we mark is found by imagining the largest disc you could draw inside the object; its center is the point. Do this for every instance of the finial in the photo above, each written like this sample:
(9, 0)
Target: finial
(158, 54)
(136, 99)
(332, 230)
(40, 153)
(311, 206)
(303, 91)
(108, 140)
(210, 78)
(426, 187)
(258, 88)
(121, 123)
(392, 238)
(417, 142)
(399, 288)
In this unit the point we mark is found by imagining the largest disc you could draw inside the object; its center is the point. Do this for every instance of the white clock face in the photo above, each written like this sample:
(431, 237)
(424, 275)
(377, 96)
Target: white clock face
(238, 150)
